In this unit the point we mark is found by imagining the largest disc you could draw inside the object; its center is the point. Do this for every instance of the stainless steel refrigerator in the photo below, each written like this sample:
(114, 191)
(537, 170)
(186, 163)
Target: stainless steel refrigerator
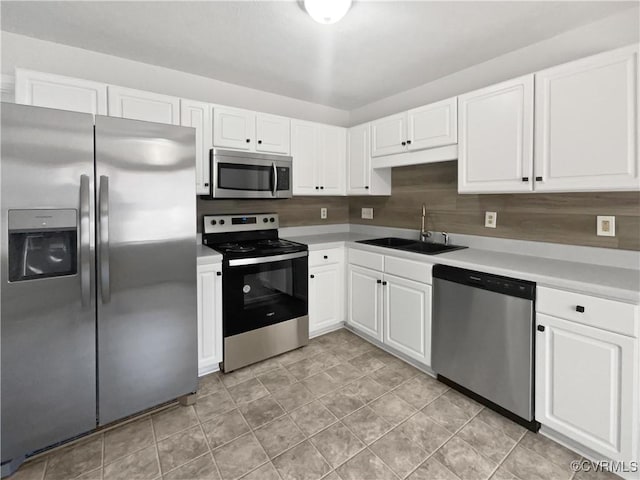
(98, 297)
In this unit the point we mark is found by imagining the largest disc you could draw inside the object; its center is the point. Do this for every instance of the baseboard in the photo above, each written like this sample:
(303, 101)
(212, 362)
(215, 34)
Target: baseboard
(325, 330)
(208, 368)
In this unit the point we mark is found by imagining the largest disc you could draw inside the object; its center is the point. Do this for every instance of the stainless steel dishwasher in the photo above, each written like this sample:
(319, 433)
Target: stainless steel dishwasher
(483, 339)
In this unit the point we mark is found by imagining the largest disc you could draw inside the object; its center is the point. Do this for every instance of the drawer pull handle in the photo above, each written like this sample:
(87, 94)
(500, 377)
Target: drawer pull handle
(326, 257)
(579, 309)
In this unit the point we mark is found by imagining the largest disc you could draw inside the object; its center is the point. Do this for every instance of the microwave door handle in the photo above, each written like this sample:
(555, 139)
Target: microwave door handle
(275, 179)
(103, 230)
(85, 241)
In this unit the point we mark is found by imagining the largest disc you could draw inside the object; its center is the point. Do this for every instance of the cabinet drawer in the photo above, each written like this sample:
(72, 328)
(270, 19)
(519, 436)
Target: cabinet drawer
(326, 257)
(605, 314)
(374, 261)
(418, 271)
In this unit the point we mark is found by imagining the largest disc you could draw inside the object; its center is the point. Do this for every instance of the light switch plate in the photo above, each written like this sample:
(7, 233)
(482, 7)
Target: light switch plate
(323, 213)
(367, 213)
(490, 219)
(606, 226)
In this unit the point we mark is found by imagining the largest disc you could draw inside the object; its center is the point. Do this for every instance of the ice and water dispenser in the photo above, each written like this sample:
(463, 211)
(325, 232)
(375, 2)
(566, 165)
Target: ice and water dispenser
(42, 244)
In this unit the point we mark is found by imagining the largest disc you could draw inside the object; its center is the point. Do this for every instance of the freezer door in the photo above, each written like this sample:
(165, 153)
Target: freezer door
(146, 265)
(47, 305)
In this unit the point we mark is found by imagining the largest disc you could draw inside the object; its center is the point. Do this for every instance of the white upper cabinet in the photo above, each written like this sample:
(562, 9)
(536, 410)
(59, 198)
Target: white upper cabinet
(587, 124)
(362, 179)
(332, 163)
(319, 155)
(273, 134)
(141, 105)
(495, 138)
(433, 125)
(56, 91)
(198, 115)
(234, 128)
(389, 135)
(304, 150)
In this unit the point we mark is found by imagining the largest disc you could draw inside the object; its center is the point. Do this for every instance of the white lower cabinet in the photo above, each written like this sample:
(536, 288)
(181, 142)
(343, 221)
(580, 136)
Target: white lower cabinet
(587, 386)
(209, 317)
(326, 297)
(389, 300)
(407, 317)
(365, 300)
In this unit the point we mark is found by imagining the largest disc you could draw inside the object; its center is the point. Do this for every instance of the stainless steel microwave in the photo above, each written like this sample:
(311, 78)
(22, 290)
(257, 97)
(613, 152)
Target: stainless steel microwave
(235, 174)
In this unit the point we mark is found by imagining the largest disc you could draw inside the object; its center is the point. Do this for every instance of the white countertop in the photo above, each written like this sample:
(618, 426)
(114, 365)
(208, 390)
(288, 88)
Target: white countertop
(609, 282)
(207, 256)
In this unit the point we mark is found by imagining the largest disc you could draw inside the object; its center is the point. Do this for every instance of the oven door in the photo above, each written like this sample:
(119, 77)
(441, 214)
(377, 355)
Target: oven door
(242, 175)
(262, 291)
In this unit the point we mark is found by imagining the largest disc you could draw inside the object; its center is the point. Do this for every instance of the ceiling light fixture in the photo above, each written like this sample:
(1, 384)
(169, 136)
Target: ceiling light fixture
(327, 11)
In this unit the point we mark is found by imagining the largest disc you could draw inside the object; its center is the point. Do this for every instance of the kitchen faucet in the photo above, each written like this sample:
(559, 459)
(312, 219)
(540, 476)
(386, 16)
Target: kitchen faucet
(424, 234)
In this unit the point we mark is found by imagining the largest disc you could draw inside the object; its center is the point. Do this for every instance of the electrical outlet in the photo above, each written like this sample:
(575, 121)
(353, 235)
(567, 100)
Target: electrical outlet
(367, 213)
(490, 219)
(323, 213)
(606, 226)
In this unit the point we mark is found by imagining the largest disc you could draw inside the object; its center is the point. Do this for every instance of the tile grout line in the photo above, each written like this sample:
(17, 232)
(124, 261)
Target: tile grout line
(155, 444)
(206, 440)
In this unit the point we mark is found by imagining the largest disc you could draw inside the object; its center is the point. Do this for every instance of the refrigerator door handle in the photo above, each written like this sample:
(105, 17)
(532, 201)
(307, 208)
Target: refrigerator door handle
(103, 232)
(85, 241)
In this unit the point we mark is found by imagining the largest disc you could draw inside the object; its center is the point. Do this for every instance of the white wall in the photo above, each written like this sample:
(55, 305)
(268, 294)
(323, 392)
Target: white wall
(611, 32)
(27, 52)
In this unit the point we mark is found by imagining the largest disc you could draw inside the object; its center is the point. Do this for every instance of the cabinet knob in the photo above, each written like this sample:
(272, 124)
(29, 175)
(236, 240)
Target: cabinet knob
(317, 188)
(525, 179)
(541, 328)
(538, 179)
(321, 188)
(259, 142)
(378, 281)
(404, 143)
(408, 142)
(312, 276)
(248, 140)
(384, 283)
(579, 309)
(219, 274)
(366, 187)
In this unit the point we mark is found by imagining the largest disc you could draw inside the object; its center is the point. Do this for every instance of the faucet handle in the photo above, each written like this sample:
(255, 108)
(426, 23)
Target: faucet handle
(445, 238)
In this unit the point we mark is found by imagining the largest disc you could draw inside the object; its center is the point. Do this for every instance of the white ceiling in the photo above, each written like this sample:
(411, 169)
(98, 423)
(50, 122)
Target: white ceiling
(380, 48)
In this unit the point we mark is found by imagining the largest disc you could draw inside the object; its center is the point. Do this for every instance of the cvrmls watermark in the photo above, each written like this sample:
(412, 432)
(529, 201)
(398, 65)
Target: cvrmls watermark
(613, 466)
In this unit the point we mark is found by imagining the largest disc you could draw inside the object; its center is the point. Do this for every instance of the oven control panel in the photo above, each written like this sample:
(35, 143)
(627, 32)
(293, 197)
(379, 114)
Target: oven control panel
(240, 222)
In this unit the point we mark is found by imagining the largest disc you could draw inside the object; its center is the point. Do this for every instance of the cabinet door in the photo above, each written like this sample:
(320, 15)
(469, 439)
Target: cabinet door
(304, 149)
(332, 165)
(365, 300)
(358, 160)
(495, 138)
(389, 135)
(326, 297)
(407, 317)
(234, 128)
(587, 124)
(209, 318)
(141, 105)
(198, 115)
(586, 385)
(273, 134)
(433, 125)
(64, 93)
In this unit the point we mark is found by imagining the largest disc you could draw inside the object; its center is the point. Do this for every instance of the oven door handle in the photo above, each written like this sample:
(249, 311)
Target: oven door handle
(273, 258)
(275, 179)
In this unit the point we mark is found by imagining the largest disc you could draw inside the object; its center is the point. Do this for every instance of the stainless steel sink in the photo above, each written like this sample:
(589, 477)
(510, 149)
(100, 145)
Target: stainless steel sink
(411, 245)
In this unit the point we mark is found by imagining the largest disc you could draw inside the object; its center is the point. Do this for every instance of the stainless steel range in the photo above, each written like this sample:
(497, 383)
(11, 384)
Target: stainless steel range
(264, 287)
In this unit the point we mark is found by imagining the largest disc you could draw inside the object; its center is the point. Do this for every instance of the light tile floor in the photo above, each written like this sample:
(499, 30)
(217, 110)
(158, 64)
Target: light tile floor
(338, 408)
